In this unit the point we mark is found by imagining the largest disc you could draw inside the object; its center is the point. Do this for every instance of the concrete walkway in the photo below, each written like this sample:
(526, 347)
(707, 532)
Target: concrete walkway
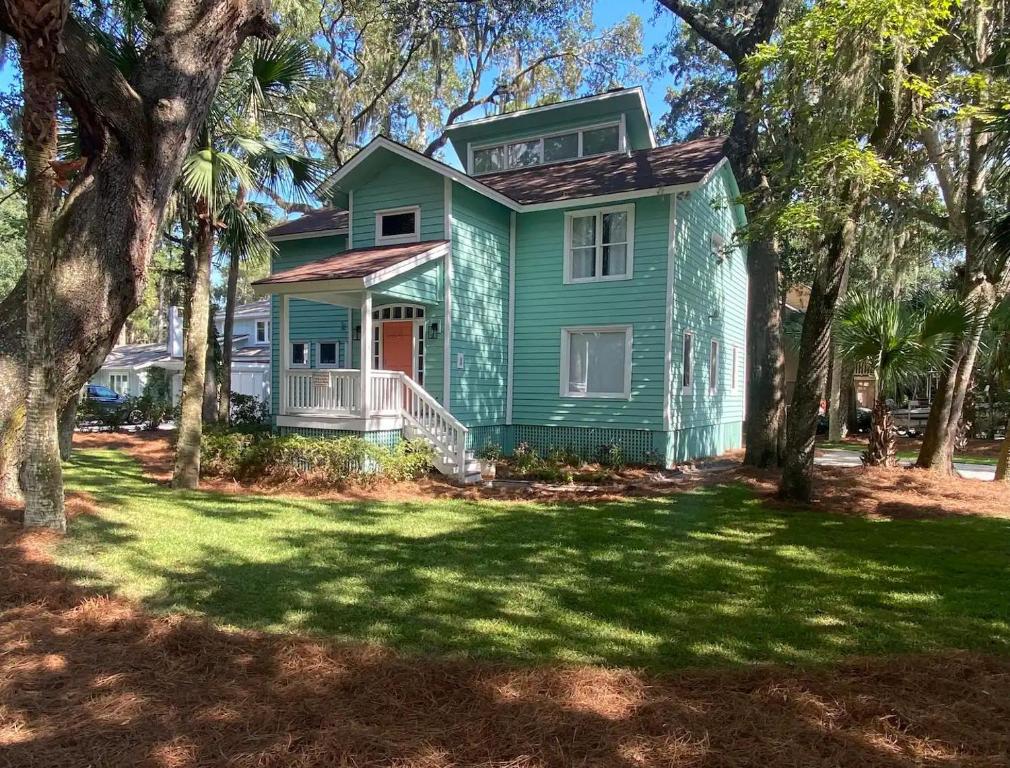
(834, 457)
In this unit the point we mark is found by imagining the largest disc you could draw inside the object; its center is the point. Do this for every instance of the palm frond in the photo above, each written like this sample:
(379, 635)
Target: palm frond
(208, 173)
(244, 231)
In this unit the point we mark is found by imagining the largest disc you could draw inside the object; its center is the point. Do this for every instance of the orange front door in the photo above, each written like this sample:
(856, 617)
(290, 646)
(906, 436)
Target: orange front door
(398, 347)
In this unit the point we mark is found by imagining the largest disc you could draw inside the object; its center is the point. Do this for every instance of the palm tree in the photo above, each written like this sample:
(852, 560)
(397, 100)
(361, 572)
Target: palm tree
(902, 343)
(233, 156)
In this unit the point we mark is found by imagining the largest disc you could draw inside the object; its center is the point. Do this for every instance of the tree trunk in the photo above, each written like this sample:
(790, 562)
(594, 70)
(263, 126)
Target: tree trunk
(41, 24)
(1003, 465)
(210, 382)
(765, 358)
(836, 410)
(187, 452)
(882, 450)
(134, 135)
(812, 374)
(226, 340)
(68, 421)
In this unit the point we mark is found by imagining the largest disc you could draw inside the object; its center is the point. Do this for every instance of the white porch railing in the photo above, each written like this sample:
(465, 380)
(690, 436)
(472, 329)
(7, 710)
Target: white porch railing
(335, 392)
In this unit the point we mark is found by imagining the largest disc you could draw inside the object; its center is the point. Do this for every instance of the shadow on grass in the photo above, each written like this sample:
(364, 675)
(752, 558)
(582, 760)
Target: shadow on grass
(707, 577)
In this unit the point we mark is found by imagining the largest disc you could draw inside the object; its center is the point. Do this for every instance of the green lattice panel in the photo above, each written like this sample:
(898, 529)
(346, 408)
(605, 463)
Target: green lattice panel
(638, 445)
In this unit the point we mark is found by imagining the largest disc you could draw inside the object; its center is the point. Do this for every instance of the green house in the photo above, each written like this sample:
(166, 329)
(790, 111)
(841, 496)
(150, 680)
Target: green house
(576, 286)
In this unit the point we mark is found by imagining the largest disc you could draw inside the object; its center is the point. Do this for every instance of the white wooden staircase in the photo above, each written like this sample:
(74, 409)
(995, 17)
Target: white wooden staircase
(424, 418)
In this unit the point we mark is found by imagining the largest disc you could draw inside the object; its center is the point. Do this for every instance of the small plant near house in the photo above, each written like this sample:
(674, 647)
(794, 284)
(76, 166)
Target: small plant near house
(489, 456)
(611, 455)
(155, 404)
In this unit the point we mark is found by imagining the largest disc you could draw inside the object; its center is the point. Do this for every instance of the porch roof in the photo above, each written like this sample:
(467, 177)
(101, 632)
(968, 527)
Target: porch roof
(367, 265)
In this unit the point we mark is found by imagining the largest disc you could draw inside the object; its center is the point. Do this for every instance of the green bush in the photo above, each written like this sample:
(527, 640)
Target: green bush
(248, 411)
(97, 415)
(260, 455)
(611, 455)
(155, 404)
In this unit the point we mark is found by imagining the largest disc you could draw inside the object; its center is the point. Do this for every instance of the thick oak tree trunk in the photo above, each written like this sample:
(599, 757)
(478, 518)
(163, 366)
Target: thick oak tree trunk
(134, 136)
(187, 452)
(68, 421)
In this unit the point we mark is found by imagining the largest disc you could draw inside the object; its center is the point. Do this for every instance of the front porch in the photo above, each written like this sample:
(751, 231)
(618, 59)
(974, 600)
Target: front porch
(374, 363)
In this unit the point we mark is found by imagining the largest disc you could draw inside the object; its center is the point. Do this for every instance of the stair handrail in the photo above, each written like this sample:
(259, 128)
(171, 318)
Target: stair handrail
(419, 391)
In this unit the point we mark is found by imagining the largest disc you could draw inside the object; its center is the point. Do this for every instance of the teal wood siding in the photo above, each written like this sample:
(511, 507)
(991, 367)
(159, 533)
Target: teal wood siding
(710, 299)
(398, 184)
(308, 320)
(480, 273)
(545, 305)
(419, 286)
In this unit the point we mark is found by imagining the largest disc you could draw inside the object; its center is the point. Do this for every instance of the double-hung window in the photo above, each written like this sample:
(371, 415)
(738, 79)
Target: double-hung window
(298, 354)
(687, 357)
(120, 382)
(596, 362)
(713, 367)
(262, 331)
(599, 244)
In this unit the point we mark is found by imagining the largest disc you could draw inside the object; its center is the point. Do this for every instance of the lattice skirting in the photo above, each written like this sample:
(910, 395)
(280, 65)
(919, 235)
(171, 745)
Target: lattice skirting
(387, 438)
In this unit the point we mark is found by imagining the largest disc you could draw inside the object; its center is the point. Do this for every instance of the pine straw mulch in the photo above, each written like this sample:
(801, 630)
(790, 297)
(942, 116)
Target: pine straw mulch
(90, 681)
(982, 449)
(895, 493)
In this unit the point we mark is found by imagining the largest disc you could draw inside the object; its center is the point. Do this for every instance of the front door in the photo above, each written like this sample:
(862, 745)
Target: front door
(398, 347)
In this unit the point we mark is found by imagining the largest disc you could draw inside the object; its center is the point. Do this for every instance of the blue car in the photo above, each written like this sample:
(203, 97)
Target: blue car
(102, 399)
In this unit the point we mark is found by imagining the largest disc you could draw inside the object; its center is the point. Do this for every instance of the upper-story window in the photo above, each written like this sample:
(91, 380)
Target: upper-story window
(262, 331)
(599, 244)
(551, 148)
(398, 225)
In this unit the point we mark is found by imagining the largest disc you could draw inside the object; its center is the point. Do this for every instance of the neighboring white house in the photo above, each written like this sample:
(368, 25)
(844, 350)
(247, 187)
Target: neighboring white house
(125, 369)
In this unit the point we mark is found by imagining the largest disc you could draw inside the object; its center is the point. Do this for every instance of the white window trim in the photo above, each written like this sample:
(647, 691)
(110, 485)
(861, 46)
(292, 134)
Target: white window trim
(319, 361)
(266, 332)
(566, 360)
(629, 209)
(397, 239)
(714, 357)
(291, 350)
(735, 369)
(622, 143)
(684, 367)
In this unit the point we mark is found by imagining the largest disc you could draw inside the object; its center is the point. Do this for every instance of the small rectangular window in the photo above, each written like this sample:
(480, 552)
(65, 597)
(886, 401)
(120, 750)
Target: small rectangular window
(120, 383)
(563, 147)
(299, 354)
(262, 332)
(713, 366)
(596, 141)
(596, 362)
(328, 354)
(687, 375)
(488, 160)
(401, 225)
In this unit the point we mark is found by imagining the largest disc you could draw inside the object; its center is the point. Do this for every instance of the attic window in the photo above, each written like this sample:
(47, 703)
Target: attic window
(398, 225)
(550, 148)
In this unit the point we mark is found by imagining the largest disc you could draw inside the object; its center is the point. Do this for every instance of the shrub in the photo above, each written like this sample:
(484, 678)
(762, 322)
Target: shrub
(105, 415)
(248, 410)
(155, 404)
(611, 455)
(490, 452)
(248, 454)
(568, 457)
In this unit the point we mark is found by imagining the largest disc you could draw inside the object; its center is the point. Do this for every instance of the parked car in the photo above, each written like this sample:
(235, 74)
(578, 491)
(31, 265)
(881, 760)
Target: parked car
(101, 401)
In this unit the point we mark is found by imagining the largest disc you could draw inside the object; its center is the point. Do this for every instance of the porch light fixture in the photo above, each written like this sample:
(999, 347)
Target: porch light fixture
(433, 330)
(357, 333)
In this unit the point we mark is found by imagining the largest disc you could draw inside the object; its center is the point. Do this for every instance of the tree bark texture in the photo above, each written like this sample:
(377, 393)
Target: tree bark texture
(836, 406)
(68, 421)
(187, 452)
(210, 382)
(882, 450)
(224, 386)
(40, 26)
(812, 374)
(135, 134)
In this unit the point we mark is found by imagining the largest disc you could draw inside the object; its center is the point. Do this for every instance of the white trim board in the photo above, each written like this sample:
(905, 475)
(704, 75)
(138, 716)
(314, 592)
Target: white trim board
(671, 256)
(627, 329)
(447, 300)
(308, 235)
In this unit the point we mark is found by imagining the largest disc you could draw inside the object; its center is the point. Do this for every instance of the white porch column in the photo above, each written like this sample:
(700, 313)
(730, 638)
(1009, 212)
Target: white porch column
(366, 352)
(283, 358)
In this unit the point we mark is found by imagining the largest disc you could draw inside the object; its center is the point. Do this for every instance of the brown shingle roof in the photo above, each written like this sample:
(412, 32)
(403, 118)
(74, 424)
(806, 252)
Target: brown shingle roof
(676, 164)
(323, 220)
(360, 262)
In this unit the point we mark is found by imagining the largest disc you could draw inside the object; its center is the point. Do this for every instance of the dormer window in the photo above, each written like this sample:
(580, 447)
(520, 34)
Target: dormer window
(551, 148)
(398, 225)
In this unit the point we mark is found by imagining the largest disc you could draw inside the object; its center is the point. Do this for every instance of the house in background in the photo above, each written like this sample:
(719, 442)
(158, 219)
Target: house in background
(126, 368)
(577, 285)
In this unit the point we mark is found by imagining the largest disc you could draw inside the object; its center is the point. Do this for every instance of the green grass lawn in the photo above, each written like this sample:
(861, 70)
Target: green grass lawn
(707, 577)
(909, 455)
